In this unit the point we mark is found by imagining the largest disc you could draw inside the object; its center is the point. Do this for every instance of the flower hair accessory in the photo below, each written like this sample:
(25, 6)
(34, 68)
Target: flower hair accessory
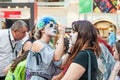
(44, 21)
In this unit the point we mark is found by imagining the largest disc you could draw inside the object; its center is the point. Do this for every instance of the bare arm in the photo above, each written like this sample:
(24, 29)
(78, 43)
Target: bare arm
(115, 71)
(77, 71)
(66, 57)
(60, 47)
(27, 46)
(59, 76)
(6, 69)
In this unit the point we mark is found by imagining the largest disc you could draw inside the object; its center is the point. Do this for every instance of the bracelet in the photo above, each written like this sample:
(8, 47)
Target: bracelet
(69, 53)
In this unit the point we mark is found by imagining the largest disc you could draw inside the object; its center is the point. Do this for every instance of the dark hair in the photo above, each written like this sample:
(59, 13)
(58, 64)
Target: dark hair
(86, 39)
(74, 26)
(118, 49)
(18, 60)
(66, 44)
(98, 32)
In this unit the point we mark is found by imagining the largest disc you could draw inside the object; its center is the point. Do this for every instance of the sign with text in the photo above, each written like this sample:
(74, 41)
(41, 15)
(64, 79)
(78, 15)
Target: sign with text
(10, 14)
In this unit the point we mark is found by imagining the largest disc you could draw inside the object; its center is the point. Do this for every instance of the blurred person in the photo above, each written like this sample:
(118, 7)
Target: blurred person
(118, 34)
(86, 41)
(8, 41)
(115, 73)
(105, 60)
(111, 38)
(42, 59)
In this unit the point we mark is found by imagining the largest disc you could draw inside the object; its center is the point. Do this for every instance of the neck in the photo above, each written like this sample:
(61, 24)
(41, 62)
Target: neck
(45, 38)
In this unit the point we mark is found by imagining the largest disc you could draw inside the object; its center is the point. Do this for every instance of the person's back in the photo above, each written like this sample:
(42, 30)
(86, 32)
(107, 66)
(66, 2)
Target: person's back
(43, 66)
(82, 59)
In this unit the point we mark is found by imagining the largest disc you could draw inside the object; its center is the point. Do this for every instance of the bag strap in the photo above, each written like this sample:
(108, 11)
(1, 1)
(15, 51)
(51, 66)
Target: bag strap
(89, 66)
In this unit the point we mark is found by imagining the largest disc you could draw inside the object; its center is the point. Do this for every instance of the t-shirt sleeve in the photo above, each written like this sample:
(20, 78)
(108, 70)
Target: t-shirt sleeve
(81, 59)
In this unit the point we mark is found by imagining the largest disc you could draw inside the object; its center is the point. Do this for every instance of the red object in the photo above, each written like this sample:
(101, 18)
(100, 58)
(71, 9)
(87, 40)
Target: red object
(106, 44)
(10, 14)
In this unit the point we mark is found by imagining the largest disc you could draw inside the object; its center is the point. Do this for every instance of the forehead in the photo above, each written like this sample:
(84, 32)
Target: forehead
(24, 29)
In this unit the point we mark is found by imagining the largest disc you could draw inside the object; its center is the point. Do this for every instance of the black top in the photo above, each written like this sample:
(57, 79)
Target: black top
(82, 59)
(32, 39)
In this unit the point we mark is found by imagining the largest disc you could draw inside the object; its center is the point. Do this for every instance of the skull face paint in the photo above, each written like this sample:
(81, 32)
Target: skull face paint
(51, 29)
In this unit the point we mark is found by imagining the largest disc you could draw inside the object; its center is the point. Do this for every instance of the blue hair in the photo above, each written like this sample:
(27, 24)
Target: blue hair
(44, 21)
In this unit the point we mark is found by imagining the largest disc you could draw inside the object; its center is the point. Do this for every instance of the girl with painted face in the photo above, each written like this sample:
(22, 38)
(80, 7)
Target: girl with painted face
(43, 60)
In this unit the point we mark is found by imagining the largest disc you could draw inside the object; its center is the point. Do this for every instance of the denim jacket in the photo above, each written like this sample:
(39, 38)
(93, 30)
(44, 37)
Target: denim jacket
(105, 61)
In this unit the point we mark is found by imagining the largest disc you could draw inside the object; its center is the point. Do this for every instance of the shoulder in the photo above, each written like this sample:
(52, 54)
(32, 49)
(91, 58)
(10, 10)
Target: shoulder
(84, 53)
(81, 58)
(3, 32)
(37, 46)
(27, 45)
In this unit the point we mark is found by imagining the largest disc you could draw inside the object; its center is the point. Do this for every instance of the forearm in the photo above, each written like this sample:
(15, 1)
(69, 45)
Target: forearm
(113, 74)
(7, 68)
(59, 49)
(58, 77)
(64, 60)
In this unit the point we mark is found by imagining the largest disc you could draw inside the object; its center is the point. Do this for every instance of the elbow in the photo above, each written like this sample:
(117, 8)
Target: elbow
(57, 58)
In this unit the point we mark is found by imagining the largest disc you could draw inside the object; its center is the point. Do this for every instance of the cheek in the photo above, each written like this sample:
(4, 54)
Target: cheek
(21, 36)
(74, 38)
(50, 32)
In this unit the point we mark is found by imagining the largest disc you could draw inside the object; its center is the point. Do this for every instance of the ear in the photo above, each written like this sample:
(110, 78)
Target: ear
(42, 30)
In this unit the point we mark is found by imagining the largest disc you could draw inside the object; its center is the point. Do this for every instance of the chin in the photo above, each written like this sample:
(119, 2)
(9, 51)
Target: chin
(52, 35)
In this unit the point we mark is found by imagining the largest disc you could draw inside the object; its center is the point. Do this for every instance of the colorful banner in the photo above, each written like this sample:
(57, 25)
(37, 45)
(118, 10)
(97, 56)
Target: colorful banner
(85, 6)
(118, 6)
(105, 6)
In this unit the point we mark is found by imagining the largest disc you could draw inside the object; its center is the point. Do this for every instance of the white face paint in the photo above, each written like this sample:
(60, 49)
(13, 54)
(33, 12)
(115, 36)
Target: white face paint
(73, 37)
(51, 29)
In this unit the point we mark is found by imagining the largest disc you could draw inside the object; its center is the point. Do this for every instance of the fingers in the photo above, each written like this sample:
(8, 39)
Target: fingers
(61, 29)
